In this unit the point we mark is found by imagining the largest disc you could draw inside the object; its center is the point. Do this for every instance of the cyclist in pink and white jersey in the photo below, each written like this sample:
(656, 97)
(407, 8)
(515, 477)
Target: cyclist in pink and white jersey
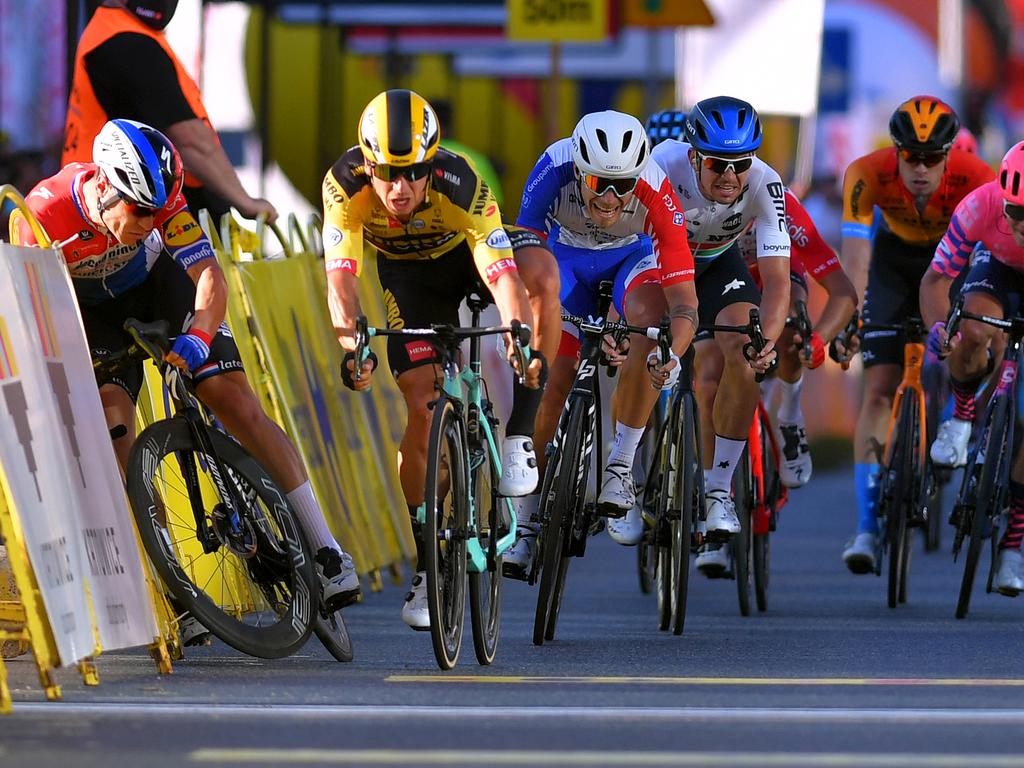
(986, 238)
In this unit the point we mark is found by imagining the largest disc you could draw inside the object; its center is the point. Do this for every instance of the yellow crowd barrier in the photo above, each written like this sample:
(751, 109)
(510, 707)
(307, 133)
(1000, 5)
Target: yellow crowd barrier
(277, 312)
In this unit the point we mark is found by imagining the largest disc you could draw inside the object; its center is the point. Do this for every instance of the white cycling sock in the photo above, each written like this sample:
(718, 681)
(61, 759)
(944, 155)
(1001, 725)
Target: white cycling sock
(789, 407)
(768, 389)
(312, 519)
(727, 456)
(626, 441)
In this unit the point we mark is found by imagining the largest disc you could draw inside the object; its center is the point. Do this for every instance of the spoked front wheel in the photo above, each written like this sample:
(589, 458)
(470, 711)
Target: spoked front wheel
(987, 498)
(332, 633)
(250, 578)
(485, 587)
(743, 491)
(445, 530)
(565, 482)
(685, 505)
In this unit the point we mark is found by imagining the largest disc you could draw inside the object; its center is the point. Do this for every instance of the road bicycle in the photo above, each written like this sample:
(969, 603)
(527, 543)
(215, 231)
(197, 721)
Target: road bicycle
(567, 517)
(906, 480)
(984, 489)
(674, 497)
(467, 526)
(219, 532)
(757, 489)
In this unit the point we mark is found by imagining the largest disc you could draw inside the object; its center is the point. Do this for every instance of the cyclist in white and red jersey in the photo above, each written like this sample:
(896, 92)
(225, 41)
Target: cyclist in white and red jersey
(988, 223)
(810, 256)
(609, 214)
(724, 187)
(134, 250)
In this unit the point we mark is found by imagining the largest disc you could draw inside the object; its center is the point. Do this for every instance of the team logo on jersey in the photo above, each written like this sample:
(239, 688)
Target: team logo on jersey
(499, 239)
(677, 219)
(418, 224)
(181, 230)
(332, 236)
(420, 350)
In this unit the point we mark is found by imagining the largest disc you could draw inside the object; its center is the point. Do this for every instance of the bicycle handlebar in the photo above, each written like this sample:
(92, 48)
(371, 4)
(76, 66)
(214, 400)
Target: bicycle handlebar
(753, 347)
(149, 341)
(845, 337)
(801, 321)
(450, 336)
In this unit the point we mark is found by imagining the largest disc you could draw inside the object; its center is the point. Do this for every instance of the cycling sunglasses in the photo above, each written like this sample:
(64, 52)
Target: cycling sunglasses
(413, 172)
(137, 209)
(599, 185)
(930, 159)
(722, 165)
(1013, 211)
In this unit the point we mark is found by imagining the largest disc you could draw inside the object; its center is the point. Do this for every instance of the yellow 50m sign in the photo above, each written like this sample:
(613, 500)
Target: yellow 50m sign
(557, 20)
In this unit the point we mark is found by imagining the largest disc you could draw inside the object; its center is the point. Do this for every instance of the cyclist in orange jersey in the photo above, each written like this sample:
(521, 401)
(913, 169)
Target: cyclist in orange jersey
(914, 188)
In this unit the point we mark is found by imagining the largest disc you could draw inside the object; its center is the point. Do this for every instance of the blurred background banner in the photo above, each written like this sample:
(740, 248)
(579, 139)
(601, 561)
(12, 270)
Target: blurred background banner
(767, 53)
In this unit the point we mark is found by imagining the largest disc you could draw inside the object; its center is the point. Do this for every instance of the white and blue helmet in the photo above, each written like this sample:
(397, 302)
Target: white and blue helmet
(139, 161)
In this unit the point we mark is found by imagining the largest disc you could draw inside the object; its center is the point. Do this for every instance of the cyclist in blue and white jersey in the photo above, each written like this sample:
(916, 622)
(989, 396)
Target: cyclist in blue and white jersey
(723, 187)
(609, 214)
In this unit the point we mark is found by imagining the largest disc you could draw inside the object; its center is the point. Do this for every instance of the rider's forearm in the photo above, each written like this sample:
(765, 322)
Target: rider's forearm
(855, 256)
(682, 312)
(842, 299)
(934, 297)
(511, 299)
(343, 304)
(211, 296)
(204, 157)
(775, 295)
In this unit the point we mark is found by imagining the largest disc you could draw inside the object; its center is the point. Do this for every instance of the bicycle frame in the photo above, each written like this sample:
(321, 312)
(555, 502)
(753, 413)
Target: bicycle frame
(913, 364)
(765, 510)
(463, 385)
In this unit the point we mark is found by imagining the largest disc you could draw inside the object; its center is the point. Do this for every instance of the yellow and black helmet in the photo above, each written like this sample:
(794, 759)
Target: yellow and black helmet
(924, 124)
(398, 127)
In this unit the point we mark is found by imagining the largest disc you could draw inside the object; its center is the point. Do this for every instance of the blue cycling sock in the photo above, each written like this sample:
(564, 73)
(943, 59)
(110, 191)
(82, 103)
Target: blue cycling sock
(865, 481)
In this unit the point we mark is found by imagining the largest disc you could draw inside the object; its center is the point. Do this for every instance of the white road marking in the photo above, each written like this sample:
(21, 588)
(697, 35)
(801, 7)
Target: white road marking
(556, 757)
(279, 712)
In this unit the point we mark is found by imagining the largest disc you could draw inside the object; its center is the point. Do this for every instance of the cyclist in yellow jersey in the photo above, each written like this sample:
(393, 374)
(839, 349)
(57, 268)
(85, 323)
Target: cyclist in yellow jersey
(438, 235)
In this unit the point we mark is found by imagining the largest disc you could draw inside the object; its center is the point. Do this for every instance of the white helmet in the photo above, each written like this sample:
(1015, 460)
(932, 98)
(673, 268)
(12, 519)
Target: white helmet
(610, 144)
(139, 161)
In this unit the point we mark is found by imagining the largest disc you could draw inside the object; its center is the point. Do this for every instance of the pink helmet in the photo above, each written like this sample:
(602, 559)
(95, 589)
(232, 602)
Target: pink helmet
(965, 140)
(1011, 174)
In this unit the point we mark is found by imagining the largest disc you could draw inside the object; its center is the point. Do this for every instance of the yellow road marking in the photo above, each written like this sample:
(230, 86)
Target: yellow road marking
(560, 757)
(984, 682)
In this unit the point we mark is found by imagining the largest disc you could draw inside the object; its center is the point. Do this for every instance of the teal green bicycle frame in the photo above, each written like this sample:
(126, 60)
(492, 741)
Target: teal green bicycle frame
(464, 385)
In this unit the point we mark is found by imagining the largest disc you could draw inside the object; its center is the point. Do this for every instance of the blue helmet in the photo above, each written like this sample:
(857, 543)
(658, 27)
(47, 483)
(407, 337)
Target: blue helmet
(664, 125)
(723, 124)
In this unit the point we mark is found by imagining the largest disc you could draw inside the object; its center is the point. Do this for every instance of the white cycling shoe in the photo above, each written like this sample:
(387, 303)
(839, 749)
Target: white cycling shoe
(859, 554)
(515, 563)
(713, 561)
(795, 469)
(950, 446)
(519, 466)
(721, 521)
(338, 578)
(618, 493)
(1008, 578)
(628, 530)
(415, 612)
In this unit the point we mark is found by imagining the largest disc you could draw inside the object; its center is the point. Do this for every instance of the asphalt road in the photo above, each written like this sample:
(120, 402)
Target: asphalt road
(829, 676)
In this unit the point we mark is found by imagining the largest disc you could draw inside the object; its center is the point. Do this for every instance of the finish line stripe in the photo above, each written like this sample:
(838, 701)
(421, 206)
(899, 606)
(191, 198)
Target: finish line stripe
(560, 758)
(281, 712)
(981, 682)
